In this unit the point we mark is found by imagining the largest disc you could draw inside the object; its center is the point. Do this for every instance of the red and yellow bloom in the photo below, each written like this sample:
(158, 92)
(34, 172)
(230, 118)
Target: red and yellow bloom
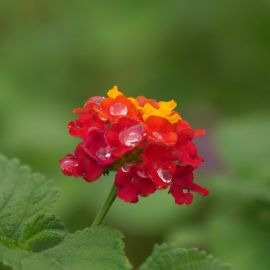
(145, 141)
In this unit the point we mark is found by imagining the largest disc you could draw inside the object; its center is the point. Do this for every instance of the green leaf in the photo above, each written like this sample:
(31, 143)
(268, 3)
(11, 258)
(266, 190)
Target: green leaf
(31, 239)
(42, 232)
(95, 248)
(171, 257)
(23, 196)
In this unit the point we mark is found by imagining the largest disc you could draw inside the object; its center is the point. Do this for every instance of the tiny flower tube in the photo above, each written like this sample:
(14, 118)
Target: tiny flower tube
(145, 141)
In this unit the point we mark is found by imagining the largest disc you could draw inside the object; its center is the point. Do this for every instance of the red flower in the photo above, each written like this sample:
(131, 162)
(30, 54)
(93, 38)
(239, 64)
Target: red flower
(159, 161)
(84, 123)
(183, 185)
(145, 141)
(125, 135)
(131, 181)
(115, 109)
(161, 130)
(98, 148)
(186, 149)
(89, 118)
(81, 165)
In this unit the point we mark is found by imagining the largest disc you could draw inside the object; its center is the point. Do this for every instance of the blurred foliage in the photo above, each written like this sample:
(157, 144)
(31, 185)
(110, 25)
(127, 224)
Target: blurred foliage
(172, 257)
(211, 57)
(237, 222)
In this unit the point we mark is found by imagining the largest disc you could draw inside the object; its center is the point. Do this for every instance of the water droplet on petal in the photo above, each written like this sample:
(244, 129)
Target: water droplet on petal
(164, 175)
(96, 99)
(68, 164)
(132, 135)
(102, 117)
(104, 153)
(126, 167)
(142, 173)
(118, 109)
(157, 135)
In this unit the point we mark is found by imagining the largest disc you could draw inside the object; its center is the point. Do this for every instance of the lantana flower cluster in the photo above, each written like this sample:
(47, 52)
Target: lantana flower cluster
(146, 142)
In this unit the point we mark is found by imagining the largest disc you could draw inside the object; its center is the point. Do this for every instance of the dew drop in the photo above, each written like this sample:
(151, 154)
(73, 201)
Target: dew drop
(103, 153)
(132, 135)
(96, 99)
(126, 167)
(164, 175)
(142, 174)
(102, 117)
(118, 109)
(157, 135)
(69, 164)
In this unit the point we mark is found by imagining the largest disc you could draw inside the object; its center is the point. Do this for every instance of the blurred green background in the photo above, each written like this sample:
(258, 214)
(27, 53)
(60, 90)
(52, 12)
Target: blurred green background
(212, 57)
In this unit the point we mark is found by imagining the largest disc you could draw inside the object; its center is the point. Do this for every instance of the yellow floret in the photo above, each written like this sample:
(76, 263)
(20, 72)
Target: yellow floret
(165, 110)
(167, 106)
(135, 103)
(114, 92)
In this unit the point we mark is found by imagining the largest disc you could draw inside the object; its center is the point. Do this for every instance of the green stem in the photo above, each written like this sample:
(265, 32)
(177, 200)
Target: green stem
(105, 208)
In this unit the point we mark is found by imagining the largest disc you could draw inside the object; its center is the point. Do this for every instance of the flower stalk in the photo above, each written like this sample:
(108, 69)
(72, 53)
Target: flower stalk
(105, 208)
